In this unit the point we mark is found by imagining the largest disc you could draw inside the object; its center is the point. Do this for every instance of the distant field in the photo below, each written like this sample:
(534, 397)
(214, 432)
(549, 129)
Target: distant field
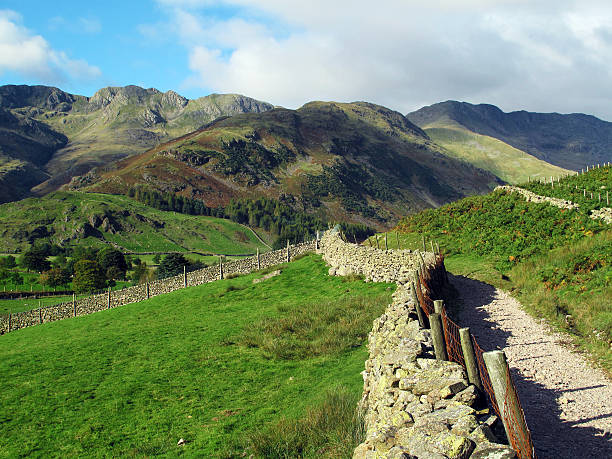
(220, 365)
(99, 219)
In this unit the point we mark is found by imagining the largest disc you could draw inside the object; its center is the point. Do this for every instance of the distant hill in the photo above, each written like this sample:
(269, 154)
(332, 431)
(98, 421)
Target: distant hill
(356, 162)
(567, 141)
(67, 218)
(48, 136)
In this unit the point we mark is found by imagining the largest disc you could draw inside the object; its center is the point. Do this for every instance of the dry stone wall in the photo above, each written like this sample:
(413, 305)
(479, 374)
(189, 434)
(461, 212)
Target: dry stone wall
(140, 292)
(414, 405)
(605, 213)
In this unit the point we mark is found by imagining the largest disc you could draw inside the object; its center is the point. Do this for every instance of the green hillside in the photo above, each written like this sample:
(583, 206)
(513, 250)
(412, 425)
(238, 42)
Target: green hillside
(68, 218)
(231, 367)
(590, 191)
(488, 153)
(557, 262)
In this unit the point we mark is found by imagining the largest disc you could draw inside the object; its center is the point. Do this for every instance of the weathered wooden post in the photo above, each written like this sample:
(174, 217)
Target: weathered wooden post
(39, 315)
(74, 304)
(386, 246)
(10, 319)
(438, 248)
(184, 276)
(108, 301)
(437, 334)
(438, 306)
(505, 395)
(469, 356)
(220, 267)
(259, 259)
(148, 291)
(288, 255)
(420, 314)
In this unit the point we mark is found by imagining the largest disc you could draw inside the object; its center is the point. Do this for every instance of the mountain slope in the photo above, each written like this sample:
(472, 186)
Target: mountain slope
(356, 162)
(568, 141)
(60, 135)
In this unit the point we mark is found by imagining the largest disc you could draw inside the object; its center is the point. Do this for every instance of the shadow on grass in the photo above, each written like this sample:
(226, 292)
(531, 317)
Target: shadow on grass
(552, 436)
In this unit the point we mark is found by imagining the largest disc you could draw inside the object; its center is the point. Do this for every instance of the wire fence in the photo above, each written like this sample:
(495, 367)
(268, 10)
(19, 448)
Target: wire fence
(430, 281)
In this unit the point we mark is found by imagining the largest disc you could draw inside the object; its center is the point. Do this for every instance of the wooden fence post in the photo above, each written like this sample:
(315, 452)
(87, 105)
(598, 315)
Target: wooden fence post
(109, 298)
(74, 304)
(288, 255)
(437, 334)
(9, 324)
(469, 357)
(417, 306)
(438, 306)
(148, 291)
(184, 276)
(220, 268)
(505, 394)
(39, 315)
(259, 260)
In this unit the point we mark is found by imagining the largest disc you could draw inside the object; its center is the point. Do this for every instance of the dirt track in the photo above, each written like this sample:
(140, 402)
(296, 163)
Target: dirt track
(567, 402)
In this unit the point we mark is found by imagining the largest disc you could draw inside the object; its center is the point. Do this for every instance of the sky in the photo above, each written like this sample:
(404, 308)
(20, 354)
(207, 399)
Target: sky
(543, 56)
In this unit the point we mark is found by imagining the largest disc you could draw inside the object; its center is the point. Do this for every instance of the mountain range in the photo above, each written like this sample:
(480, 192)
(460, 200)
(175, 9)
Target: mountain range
(355, 161)
(48, 136)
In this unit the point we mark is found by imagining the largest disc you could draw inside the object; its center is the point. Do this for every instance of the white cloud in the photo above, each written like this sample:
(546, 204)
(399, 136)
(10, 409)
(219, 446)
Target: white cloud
(32, 56)
(541, 56)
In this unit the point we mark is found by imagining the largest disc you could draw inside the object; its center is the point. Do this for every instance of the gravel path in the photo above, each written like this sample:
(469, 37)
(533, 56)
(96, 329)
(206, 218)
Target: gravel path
(567, 402)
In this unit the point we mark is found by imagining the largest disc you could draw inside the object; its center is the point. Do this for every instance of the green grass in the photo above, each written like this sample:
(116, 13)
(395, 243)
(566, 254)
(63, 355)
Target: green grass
(556, 262)
(488, 153)
(596, 181)
(134, 226)
(134, 380)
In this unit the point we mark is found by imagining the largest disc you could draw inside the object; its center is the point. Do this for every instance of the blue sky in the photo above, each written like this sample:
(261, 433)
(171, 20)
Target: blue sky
(517, 54)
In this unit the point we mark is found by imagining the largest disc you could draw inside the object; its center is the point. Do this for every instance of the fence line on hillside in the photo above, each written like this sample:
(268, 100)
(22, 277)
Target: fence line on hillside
(510, 411)
(107, 299)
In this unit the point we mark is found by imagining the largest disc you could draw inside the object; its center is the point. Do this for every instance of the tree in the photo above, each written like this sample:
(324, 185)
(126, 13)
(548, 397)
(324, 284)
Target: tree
(141, 274)
(171, 265)
(35, 260)
(8, 262)
(112, 262)
(88, 276)
(55, 277)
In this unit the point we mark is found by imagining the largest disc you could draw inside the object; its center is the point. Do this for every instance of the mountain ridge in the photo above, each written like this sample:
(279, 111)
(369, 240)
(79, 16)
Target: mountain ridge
(569, 141)
(114, 123)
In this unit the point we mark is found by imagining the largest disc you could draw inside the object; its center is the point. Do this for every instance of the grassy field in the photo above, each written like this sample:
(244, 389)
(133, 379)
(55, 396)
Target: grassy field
(558, 263)
(232, 367)
(98, 219)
